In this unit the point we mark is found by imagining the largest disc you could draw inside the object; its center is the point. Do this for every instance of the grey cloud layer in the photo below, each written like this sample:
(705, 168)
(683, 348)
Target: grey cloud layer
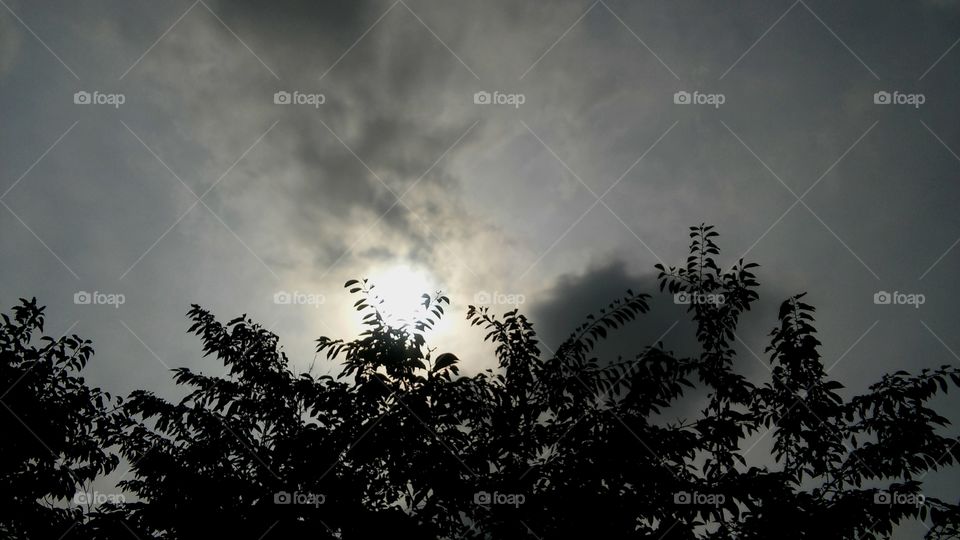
(499, 211)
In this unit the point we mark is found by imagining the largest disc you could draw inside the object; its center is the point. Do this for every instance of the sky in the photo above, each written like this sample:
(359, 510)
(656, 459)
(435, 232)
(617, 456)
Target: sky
(236, 154)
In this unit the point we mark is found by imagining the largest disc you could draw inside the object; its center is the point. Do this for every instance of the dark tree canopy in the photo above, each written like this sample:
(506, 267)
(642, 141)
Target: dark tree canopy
(54, 428)
(547, 445)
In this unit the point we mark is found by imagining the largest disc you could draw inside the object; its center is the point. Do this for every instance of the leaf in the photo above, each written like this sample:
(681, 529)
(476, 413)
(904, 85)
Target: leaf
(445, 360)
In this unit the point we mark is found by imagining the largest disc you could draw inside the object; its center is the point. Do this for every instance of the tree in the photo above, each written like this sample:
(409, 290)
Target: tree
(54, 428)
(556, 444)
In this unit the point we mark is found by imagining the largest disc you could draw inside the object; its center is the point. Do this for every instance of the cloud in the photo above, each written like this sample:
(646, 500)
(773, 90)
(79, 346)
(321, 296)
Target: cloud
(329, 173)
(10, 37)
(559, 308)
(515, 197)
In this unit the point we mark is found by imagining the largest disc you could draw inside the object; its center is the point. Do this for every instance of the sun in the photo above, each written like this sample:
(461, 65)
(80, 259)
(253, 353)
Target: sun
(401, 288)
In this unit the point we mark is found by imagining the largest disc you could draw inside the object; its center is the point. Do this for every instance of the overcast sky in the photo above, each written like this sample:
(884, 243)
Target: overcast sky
(563, 196)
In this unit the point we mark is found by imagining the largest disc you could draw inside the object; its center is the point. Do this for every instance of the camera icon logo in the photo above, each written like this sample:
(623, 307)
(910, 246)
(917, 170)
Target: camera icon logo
(281, 97)
(481, 98)
(882, 297)
(881, 497)
(681, 98)
(82, 298)
(881, 98)
(81, 98)
(282, 297)
(482, 497)
(681, 497)
(482, 298)
(681, 298)
(282, 497)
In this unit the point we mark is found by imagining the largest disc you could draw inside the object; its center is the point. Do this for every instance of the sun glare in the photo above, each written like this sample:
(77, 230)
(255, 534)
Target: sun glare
(401, 287)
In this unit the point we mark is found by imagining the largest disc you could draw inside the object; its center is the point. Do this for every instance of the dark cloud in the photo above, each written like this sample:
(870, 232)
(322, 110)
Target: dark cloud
(558, 310)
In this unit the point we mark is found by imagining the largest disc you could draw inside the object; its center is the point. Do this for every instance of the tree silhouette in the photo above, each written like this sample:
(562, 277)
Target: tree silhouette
(544, 445)
(54, 428)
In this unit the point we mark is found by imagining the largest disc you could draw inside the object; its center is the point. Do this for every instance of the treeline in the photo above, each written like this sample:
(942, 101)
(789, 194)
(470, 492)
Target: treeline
(544, 446)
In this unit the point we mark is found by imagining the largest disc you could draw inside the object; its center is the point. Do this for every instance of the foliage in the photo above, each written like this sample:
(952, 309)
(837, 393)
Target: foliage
(554, 445)
(53, 427)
